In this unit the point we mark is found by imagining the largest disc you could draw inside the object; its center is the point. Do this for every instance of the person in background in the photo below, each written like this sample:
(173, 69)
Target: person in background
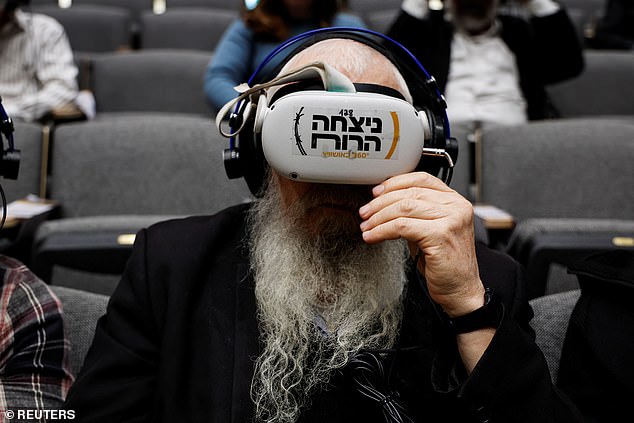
(249, 40)
(492, 68)
(37, 71)
(615, 30)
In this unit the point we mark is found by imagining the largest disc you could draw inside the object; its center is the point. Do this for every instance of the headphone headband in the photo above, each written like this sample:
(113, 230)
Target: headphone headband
(424, 90)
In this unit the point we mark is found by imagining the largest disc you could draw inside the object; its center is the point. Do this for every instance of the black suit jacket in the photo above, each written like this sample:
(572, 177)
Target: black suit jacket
(547, 50)
(596, 359)
(180, 337)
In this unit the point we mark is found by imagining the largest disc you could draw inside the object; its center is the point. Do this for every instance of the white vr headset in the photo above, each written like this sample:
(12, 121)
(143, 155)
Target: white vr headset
(336, 135)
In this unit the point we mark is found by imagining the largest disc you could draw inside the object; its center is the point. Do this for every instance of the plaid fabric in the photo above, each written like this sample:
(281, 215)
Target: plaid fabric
(34, 372)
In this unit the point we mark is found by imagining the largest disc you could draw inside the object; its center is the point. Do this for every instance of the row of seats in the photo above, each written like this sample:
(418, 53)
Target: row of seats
(99, 28)
(172, 81)
(110, 26)
(115, 175)
(360, 6)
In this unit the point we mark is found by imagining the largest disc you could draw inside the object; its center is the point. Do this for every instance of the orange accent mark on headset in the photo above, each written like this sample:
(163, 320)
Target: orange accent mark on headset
(396, 135)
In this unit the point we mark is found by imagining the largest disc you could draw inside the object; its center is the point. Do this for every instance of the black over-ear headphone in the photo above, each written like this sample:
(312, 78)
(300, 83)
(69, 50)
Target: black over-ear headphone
(245, 157)
(9, 157)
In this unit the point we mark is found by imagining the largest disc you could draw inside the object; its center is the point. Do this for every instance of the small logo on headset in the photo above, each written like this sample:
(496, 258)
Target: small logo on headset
(346, 135)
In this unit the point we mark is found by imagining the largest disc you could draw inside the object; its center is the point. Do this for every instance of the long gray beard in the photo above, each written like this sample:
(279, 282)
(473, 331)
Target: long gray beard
(300, 277)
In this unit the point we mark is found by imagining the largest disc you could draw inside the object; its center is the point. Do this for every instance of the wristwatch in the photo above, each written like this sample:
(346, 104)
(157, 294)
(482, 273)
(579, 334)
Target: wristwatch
(487, 316)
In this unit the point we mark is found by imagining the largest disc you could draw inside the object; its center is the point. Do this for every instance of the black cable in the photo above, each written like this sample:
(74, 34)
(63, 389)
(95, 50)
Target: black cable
(448, 176)
(368, 372)
(6, 129)
(368, 375)
(4, 208)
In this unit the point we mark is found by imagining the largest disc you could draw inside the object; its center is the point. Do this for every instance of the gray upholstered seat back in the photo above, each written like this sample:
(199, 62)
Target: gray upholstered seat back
(606, 86)
(573, 168)
(142, 164)
(151, 81)
(93, 28)
(186, 28)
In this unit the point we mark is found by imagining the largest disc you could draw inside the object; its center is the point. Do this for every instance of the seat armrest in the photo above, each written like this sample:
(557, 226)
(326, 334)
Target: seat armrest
(99, 244)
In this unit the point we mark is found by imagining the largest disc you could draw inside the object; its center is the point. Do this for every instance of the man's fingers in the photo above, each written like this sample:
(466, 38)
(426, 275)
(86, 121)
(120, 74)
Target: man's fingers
(401, 227)
(422, 195)
(408, 180)
(384, 211)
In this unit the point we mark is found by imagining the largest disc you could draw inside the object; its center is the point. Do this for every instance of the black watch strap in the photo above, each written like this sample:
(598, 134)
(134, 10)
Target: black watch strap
(487, 316)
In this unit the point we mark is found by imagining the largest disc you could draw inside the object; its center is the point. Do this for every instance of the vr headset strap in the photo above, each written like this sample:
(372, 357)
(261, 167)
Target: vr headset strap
(333, 81)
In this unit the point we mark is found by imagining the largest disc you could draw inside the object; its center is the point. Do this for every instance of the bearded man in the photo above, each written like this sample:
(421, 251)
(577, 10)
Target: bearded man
(492, 66)
(307, 306)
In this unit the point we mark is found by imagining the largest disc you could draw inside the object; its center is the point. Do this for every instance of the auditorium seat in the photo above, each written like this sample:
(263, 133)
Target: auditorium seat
(185, 28)
(151, 81)
(568, 185)
(606, 87)
(572, 168)
(115, 175)
(140, 163)
(93, 28)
